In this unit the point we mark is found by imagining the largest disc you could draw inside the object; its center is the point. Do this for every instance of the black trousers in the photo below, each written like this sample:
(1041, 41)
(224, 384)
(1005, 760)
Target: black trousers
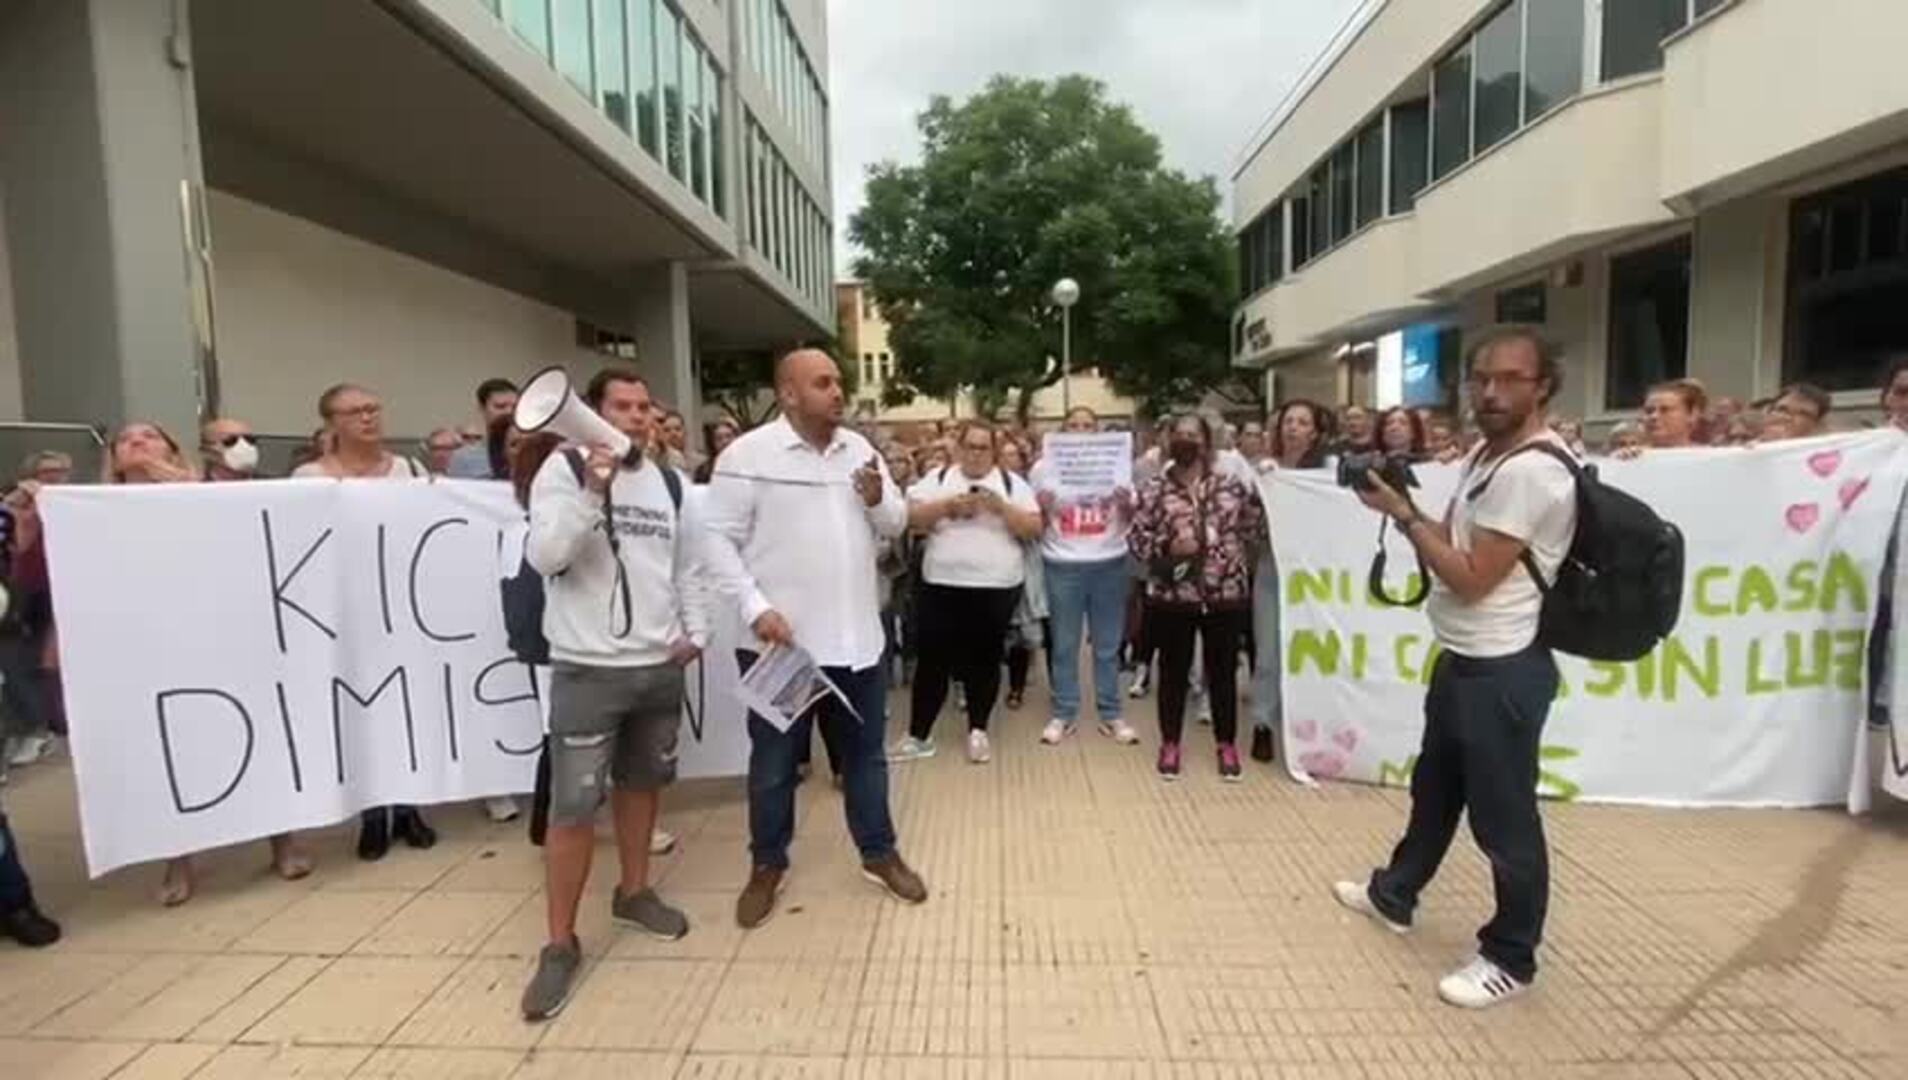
(963, 633)
(1020, 658)
(1483, 725)
(1172, 630)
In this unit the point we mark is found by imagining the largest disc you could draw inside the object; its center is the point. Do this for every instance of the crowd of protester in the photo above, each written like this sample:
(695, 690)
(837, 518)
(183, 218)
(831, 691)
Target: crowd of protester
(975, 568)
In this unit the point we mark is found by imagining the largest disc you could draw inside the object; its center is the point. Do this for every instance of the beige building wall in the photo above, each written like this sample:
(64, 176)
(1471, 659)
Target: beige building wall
(1757, 105)
(300, 307)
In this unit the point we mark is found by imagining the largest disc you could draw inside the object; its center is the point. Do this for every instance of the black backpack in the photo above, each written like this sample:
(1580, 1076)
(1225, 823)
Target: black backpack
(523, 591)
(1620, 589)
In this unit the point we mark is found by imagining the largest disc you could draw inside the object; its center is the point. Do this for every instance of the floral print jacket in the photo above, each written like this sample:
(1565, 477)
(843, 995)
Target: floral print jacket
(1222, 515)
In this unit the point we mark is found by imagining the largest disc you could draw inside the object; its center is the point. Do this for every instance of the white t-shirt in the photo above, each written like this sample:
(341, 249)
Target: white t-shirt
(979, 552)
(1532, 498)
(1079, 532)
(398, 468)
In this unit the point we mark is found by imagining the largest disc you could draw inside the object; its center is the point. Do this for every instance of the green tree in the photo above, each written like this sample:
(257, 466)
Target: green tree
(1023, 184)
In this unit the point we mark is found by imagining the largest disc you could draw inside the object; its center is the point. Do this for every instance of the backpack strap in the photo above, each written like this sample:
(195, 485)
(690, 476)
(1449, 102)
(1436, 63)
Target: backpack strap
(1560, 455)
(673, 481)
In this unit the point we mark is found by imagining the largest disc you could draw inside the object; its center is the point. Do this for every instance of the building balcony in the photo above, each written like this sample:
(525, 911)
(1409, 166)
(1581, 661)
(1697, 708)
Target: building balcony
(1573, 180)
(1764, 93)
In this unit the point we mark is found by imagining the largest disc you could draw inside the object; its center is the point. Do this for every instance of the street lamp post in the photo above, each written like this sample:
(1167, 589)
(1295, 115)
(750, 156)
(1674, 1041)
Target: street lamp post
(1066, 293)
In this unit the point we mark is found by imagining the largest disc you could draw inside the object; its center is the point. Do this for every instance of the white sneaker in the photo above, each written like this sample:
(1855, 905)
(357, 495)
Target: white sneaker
(1201, 705)
(912, 749)
(661, 841)
(502, 808)
(28, 749)
(1055, 732)
(1120, 732)
(979, 750)
(1138, 689)
(1479, 984)
(1356, 895)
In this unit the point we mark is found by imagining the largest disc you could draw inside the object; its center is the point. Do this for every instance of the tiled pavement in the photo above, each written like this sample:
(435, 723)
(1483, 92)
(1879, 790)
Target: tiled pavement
(1087, 921)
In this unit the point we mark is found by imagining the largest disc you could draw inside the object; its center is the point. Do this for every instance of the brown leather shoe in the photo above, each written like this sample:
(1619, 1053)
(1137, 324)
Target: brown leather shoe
(894, 876)
(757, 902)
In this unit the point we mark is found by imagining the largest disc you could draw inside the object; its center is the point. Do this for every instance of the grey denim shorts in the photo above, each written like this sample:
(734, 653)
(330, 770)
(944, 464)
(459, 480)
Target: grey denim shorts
(610, 725)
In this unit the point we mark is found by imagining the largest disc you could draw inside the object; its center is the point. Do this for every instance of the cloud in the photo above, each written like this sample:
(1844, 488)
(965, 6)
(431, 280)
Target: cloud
(1201, 74)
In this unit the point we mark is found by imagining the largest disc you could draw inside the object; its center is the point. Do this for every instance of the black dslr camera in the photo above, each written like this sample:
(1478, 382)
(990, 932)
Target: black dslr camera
(1393, 469)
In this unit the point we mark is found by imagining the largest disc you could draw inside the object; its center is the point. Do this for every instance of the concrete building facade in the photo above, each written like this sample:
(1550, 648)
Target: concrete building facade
(864, 346)
(1706, 188)
(226, 205)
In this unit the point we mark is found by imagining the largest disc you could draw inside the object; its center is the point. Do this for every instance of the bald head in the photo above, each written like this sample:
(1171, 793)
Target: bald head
(808, 386)
(798, 363)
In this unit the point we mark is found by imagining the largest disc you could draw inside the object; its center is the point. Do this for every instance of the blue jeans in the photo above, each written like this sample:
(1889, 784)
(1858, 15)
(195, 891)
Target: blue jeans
(15, 893)
(774, 754)
(1090, 598)
(1483, 725)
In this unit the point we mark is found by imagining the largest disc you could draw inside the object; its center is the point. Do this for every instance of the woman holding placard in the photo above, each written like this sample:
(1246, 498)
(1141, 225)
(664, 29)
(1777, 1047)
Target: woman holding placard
(143, 453)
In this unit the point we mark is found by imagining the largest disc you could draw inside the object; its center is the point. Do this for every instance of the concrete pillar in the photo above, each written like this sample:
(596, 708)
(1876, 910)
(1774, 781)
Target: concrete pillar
(100, 164)
(664, 350)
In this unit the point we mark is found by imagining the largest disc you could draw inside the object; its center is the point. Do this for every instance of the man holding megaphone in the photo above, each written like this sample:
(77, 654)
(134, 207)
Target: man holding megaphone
(624, 613)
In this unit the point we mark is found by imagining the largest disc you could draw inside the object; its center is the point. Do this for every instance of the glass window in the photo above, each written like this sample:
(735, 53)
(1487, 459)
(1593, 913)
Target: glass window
(1410, 153)
(1248, 240)
(642, 70)
(531, 20)
(570, 22)
(1272, 242)
(669, 62)
(1523, 304)
(1322, 208)
(1344, 176)
(1553, 55)
(1371, 172)
(695, 69)
(1633, 33)
(718, 145)
(1497, 63)
(1848, 282)
(1649, 321)
(1301, 218)
(612, 65)
(1451, 113)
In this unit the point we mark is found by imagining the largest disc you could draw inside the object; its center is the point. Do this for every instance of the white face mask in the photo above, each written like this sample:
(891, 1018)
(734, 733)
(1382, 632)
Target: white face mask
(241, 456)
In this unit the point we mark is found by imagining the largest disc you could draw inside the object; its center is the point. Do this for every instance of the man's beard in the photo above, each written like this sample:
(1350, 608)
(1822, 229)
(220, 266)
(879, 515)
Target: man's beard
(1499, 423)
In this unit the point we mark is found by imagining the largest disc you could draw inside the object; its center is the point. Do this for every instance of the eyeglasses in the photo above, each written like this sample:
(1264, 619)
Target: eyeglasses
(1484, 380)
(363, 412)
(229, 441)
(1779, 409)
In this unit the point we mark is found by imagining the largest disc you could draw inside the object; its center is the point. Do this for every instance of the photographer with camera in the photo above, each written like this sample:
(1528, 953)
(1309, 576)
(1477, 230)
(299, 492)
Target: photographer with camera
(1196, 532)
(976, 516)
(1493, 683)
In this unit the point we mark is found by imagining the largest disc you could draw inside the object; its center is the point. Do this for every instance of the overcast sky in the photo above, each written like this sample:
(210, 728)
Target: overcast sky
(1201, 74)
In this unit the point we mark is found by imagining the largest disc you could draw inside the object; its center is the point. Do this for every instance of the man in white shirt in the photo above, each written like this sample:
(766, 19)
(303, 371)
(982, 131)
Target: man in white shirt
(1492, 686)
(797, 511)
(624, 614)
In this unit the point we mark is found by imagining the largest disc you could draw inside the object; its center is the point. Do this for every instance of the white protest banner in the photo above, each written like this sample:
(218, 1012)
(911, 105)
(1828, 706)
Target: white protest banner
(1089, 466)
(1758, 697)
(253, 658)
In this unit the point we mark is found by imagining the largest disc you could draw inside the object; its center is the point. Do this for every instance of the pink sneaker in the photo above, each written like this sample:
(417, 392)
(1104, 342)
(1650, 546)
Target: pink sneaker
(1229, 768)
(1169, 761)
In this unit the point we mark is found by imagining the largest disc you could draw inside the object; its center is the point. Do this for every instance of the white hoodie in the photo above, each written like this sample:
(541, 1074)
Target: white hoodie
(583, 614)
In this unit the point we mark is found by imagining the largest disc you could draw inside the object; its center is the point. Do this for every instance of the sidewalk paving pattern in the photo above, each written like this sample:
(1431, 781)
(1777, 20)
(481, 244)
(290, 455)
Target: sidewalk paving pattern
(1087, 921)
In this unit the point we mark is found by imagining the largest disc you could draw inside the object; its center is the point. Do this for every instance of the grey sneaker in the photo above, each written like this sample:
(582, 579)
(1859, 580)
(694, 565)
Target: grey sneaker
(646, 912)
(550, 987)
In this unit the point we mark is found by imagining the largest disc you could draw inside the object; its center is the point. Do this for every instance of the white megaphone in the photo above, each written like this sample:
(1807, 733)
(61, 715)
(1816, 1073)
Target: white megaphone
(548, 403)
